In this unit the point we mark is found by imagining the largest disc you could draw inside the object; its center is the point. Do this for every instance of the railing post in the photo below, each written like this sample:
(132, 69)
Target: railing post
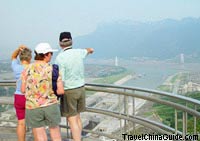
(195, 121)
(125, 111)
(184, 125)
(133, 112)
(67, 128)
(186, 119)
(176, 121)
(119, 105)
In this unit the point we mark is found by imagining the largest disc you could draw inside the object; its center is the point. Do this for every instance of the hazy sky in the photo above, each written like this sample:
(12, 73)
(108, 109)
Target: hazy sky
(33, 21)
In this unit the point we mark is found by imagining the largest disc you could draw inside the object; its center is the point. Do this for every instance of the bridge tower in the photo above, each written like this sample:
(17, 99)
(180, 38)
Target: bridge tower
(116, 61)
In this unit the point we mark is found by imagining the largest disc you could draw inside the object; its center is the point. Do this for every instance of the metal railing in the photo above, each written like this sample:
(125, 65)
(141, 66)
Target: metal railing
(115, 110)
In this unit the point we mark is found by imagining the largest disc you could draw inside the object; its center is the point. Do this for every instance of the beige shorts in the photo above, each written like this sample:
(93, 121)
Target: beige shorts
(73, 102)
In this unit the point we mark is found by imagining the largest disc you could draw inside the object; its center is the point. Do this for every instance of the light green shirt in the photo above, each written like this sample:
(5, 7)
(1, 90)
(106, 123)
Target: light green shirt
(71, 66)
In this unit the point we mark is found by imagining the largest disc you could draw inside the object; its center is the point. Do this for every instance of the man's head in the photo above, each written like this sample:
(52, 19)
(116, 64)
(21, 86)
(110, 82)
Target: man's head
(65, 39)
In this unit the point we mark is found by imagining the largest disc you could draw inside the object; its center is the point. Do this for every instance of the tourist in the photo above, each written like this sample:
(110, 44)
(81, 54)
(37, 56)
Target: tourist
(24, 55)
(70, 62)
(41, 103)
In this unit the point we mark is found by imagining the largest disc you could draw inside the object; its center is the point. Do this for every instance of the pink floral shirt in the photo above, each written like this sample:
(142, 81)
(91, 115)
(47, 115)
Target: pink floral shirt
(38, 80)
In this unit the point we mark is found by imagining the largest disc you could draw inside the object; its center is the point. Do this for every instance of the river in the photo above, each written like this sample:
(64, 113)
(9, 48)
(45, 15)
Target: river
(151, 75)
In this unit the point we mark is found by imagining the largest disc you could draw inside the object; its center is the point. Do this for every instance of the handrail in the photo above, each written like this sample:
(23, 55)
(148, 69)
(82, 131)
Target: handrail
(7, 82)
(142, 121)
(175, 105)
(161, 93)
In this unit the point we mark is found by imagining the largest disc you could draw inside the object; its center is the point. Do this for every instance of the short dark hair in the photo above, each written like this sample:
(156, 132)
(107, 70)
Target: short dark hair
(40, 56)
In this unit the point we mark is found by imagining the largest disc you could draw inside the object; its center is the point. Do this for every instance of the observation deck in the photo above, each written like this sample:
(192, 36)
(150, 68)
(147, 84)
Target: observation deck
(115, 111)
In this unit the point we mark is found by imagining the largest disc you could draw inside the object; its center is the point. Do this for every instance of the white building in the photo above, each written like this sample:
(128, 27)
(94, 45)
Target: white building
(182, 58)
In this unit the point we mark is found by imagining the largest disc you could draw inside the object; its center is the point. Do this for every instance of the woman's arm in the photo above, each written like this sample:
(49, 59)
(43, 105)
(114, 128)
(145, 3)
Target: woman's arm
(17, 51)
(23, 87)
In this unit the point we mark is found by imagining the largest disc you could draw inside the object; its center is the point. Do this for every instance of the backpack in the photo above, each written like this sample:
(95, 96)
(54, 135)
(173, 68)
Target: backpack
(55, 74)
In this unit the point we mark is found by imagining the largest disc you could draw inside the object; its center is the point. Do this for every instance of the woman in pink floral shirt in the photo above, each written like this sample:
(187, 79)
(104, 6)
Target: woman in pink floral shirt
(41, 103)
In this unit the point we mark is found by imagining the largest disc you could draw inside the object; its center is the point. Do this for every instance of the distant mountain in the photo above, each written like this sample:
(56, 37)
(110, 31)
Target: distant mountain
(163, 39)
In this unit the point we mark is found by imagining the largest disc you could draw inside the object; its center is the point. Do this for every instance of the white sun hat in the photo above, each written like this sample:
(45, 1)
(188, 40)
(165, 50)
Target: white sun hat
(44, 48)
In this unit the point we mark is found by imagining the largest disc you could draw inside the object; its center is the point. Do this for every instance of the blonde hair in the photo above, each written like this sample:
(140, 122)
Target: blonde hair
(25, 54)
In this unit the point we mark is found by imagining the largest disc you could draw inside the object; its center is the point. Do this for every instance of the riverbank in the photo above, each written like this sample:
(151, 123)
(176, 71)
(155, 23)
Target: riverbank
(94, 95)
(123, 80)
